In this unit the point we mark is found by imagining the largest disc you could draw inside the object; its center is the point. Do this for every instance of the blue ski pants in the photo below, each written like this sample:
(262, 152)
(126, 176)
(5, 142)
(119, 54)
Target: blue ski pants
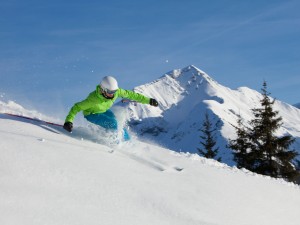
(106, 120)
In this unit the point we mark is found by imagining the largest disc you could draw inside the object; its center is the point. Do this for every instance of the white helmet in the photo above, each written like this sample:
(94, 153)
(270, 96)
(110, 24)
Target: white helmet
(109, 84)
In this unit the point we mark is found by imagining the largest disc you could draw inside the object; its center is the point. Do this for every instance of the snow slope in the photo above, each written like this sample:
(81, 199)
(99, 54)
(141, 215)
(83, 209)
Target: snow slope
(185, 95)
(297, 105)
(48, 177)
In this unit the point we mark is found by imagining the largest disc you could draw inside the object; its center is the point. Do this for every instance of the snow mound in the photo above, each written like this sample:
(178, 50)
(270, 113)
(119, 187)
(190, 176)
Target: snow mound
(14, 108)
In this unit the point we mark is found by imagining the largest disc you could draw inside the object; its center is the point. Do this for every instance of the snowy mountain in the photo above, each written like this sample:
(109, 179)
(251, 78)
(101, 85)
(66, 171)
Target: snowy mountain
(184, 96)
(50, 177)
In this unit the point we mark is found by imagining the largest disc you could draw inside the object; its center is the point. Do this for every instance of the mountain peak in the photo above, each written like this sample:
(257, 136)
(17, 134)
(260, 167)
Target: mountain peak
(189, 69)
(189, 74)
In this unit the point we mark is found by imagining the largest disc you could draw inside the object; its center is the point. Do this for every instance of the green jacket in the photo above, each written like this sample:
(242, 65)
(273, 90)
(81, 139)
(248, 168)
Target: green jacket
(96, 103)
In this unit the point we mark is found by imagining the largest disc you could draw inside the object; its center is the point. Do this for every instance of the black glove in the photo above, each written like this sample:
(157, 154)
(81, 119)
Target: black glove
(153, 102)
(68, 126)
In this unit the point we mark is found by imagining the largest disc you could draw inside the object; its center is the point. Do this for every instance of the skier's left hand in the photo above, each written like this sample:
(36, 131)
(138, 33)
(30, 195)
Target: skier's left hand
(153, 102)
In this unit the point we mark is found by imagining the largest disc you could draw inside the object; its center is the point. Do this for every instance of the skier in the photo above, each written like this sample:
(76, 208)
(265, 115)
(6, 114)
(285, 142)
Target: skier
(96, 107)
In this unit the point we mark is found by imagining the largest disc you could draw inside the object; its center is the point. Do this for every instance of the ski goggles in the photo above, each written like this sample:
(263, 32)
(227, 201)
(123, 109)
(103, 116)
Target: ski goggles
(111, 92)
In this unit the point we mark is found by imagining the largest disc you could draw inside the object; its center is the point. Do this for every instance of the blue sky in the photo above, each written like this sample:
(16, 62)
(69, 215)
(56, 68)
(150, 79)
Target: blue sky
(53, 53)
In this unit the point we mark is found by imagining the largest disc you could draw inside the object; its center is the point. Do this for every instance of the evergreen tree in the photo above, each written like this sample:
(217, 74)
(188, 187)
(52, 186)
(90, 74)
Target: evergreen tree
(242, 147)
(259, 149)
(209, 139)
(274, 158)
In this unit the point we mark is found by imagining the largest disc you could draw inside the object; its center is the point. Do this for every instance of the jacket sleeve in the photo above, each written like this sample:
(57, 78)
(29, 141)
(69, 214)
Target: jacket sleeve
(133, 96)
(79, 106)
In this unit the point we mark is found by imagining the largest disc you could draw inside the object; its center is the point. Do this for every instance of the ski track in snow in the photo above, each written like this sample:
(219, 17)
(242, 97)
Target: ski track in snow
(78, 182)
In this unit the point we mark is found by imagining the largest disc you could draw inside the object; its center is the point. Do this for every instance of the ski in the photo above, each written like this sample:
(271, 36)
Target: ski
(33, 119)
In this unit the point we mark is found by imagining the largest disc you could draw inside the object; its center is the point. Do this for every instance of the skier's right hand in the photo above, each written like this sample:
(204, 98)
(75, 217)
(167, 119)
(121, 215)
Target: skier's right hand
(68, 126)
